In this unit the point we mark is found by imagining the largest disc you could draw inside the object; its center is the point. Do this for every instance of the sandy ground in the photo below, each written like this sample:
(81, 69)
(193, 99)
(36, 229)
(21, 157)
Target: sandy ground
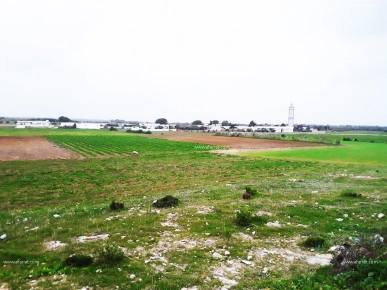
(31, 148)
(237, 144)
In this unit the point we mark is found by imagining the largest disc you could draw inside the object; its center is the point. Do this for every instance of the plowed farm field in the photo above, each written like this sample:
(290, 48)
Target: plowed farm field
(234, 143)
(31, 148)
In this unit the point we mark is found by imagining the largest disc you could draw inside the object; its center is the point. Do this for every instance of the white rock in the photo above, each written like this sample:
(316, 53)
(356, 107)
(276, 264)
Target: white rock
(25, 219)
(339, 219)
(249, 258)
(314, 191)
(226, 253)
(246, 262)
(380, 215)
(275, 224)
(345, 215)
(132, 276)
(320, 259)
(264, 270)
(2, 237)
(217, 256)
(98, 271)
(56, 215)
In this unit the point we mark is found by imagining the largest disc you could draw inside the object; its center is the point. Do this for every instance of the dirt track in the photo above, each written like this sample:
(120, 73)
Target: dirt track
(234, 142)
(31, 148)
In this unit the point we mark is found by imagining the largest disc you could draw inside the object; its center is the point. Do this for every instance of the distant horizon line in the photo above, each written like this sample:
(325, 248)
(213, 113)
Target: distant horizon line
(109, 120)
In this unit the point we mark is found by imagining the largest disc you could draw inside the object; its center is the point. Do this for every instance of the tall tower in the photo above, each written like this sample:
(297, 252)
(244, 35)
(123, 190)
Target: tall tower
(291, 116)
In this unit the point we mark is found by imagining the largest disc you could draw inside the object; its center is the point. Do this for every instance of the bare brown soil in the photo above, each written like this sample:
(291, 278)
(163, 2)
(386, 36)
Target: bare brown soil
(31, 148)
(233, 142)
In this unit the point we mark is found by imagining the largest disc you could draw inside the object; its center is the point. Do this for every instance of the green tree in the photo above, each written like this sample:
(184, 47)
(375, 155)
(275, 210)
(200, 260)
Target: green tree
(252, 124)
(214, 122)
(64, 119)
(197, 122)
(225, 123)
(161, 121)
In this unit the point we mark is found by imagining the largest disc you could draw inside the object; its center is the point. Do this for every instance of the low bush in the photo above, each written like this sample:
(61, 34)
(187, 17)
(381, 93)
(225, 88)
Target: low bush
(313, 242)
(112, 129)
(79, 261)
(251, 191)
(109, 255)
(246, 219)
(350, 193)
(116, 205)
(166, 201)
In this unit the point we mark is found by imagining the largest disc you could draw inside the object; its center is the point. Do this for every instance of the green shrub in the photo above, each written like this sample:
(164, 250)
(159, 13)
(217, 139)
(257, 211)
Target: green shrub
(148, 132)
(251, 191)
(116, 205)
(246, 219)
(109, 255)
(166, 201)
(313, 242)
(350, 193)
(79, 261)
(112, 129)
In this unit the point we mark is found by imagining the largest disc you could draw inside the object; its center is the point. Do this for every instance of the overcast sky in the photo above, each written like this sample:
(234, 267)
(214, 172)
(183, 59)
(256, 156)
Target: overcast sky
(236, 60)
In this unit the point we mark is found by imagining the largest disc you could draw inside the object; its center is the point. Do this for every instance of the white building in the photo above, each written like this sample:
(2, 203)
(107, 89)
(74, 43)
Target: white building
(153, 127)
(92, 126)
(33, 124)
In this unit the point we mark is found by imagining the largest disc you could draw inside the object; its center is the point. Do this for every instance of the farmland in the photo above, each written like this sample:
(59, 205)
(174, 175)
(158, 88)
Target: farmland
(349, 152)
(196, 243)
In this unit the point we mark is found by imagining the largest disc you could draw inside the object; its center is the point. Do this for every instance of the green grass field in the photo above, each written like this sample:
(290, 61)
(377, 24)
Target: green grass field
(60, 200)
(349, 152)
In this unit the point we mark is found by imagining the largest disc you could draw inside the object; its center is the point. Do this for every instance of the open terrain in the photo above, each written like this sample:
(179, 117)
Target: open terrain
(55, 208)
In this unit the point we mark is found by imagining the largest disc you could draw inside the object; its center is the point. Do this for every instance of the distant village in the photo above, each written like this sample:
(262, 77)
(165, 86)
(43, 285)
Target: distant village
(162, 125)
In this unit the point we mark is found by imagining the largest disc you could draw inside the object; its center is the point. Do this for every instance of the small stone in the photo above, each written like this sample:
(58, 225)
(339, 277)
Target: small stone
(246, 262)
(314, 191)
(380, 215)
(339, 219)
(265, 270)
(249, 258)
(98, 271)
(56, 215)
(217, 256)
(345, 215)
(132, 276)
(226, 253)
(2, 237)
